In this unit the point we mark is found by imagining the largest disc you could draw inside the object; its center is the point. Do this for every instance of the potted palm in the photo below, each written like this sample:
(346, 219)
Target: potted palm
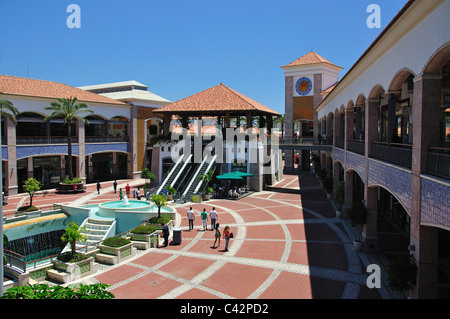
(358, 217)
(339, 198)
(170, 192)
(208, 192)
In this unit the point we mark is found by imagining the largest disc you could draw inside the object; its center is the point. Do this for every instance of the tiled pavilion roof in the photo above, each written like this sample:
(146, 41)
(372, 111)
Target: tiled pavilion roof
(13, 85)
(309, 58)
(218, 99)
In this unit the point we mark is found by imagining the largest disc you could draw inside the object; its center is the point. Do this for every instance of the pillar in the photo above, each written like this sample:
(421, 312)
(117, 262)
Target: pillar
(289, 122)
(391, 117)
(81, 159)
(370, 229)
(426, 119)
(348, 180)
(11, 182)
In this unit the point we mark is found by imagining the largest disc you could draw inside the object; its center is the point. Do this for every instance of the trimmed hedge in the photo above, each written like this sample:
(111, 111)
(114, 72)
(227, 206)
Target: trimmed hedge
(116, 242)
(144, 229)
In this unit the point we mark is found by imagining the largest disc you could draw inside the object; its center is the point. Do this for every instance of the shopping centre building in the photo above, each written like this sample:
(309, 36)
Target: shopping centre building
(388, 122)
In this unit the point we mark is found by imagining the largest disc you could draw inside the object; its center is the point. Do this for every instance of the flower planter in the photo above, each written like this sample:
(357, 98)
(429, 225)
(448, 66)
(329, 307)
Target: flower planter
(69, 188)
(115, 255)
(357, 245)
(144, 241)
(67, 272)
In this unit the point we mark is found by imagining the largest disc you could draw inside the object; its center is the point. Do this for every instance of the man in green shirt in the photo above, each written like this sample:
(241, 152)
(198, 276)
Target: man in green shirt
(204, 215)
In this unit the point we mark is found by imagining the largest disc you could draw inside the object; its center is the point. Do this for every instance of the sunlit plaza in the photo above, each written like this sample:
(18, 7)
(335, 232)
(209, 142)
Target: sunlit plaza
(343, 194)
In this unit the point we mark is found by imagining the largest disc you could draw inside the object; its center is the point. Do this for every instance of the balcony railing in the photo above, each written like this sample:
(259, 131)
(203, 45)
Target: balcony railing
(106, 139)
(438, 162)
(34, 140)
(340, 143)
(400, 154)
(356, 146)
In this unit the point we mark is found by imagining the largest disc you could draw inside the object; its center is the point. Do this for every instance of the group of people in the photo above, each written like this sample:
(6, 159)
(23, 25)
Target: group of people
(215, 226)
(227, 192)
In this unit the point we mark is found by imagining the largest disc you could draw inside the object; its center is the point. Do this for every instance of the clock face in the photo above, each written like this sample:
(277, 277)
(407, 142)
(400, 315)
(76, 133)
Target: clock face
(303, 86)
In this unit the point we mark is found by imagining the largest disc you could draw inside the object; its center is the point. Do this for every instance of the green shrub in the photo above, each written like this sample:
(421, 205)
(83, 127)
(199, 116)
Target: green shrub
(159, 220)
(68, 258)
(44, 291)
(73, 181)
(116, 242)
(144, 229)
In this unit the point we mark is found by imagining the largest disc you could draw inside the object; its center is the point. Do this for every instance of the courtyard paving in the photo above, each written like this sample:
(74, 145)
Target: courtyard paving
(288, 245)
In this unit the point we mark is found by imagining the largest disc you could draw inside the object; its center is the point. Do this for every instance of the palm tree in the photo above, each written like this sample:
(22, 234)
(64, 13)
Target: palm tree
(280, 120)
(7, 105)
(69, 110)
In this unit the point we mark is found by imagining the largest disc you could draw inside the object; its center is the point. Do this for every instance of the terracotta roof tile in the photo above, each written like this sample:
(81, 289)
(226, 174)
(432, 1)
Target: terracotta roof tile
(217, 98)
(38, 88)
(309, 58)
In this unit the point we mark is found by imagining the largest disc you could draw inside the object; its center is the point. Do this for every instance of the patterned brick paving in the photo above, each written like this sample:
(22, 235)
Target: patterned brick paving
(288, 245)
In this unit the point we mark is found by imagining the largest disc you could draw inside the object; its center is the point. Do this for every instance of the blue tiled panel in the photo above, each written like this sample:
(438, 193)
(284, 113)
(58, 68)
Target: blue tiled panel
(357, 163)
(111, 147)
(42, 150)
(5, 153)
(339, 155)
(396, 181)
(435, 199)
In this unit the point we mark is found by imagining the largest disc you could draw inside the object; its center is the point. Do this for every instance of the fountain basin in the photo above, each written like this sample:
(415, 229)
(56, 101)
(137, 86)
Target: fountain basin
(109, 209)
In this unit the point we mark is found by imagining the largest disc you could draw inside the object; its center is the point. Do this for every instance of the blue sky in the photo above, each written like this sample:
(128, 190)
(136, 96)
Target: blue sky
(181, 47)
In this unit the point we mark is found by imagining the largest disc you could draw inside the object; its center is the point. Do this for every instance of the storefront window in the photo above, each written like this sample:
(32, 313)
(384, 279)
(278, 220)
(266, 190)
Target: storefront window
(118, 127)
(47, 170)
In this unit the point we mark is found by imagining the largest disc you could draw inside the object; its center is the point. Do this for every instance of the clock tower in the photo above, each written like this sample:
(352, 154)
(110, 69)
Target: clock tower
(305, 80)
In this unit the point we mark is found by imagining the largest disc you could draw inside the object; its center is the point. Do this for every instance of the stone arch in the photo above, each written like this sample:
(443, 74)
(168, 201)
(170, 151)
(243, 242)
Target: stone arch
(437, 61)
(400, 77)
(399, 199)
(376, 91)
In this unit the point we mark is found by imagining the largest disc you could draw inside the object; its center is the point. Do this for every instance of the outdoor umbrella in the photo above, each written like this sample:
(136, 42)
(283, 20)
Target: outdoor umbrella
(230, 176)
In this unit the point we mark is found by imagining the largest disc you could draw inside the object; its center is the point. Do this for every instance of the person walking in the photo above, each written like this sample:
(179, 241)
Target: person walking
(127, 190)
(115, 186)
(226, 236)
(191, 218)
(204, 215)
(217, 235)
(98, 187)
(214, 217)
(120, 194)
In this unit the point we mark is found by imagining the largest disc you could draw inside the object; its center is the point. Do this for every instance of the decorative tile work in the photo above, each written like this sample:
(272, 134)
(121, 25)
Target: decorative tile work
(435, 199)
(339, 155)
(395, 180)
(110, 147)
(42, 150)
(5, 153)
(357, 163)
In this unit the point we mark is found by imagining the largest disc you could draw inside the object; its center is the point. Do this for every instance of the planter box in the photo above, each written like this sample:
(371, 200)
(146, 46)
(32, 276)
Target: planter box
(144, 241)
(67, 272)
(68, 188)
(115, 255)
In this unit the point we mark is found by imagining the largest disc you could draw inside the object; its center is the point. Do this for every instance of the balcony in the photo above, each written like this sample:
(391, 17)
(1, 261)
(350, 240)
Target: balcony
(399, 154)
(356, 146)
(340, 143)
(36, 140)
(438, 162)
(106, 139)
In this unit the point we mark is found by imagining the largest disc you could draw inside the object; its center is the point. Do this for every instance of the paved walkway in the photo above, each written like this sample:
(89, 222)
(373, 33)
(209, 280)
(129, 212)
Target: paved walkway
(288, 245)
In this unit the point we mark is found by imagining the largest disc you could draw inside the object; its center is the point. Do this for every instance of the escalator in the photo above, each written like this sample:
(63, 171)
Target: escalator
(178, 170)
(195, 184)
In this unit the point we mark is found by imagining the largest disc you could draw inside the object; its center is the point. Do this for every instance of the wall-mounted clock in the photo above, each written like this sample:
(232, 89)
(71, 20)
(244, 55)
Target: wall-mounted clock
(303, 86)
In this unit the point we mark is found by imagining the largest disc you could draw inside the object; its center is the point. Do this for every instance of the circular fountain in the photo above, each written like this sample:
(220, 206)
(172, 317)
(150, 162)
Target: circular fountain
(109, 209)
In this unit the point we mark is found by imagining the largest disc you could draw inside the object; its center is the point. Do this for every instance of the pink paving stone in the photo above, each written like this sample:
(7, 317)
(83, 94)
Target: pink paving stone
(255, 215)
(295, 286)
(287, 212)
(238, 281)
(195, 293)
(186, 267)
(118, 274)
(149, 286)
(265, 232)
(267, 250)
(151, 259)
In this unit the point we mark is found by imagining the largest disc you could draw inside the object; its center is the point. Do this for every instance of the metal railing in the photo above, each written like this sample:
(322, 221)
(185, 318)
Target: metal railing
(438, 162)
(400, 154)
(35, 140)
(356, 146)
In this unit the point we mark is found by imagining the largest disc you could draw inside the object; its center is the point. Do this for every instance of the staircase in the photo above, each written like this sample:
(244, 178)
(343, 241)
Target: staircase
(95, 230)
(196, 185)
